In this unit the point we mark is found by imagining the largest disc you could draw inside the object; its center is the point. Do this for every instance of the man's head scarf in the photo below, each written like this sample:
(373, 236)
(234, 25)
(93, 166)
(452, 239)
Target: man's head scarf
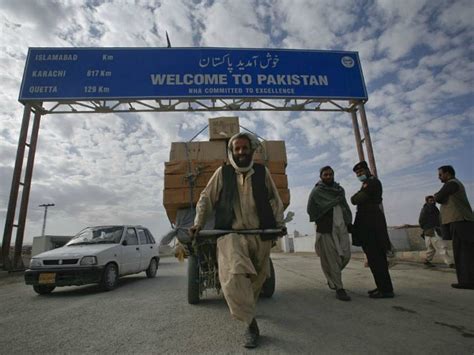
(254, 144)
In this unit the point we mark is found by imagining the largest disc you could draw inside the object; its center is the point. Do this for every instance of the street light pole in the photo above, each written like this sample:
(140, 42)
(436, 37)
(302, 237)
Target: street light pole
(45, 205)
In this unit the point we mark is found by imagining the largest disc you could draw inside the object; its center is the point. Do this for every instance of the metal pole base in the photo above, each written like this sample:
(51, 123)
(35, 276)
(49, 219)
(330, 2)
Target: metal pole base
(18, 265)
(5, 263)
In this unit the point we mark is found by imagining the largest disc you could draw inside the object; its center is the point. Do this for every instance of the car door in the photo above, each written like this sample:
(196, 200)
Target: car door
(145, 249)
(153, 246)
(131, 253)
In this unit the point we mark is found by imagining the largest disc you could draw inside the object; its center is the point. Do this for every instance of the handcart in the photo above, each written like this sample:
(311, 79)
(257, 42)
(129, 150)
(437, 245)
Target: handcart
(203, 267)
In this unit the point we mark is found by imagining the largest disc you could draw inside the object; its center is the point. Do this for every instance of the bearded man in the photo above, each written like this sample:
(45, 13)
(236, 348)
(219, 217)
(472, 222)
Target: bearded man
(457, 221)
(328, 208)
(243, 196)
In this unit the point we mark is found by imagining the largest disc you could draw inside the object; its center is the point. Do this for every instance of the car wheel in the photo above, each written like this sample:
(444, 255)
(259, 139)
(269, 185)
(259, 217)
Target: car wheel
(193, 280)
(152, 268)
(43, 289)
(109, 277)
(268, 288)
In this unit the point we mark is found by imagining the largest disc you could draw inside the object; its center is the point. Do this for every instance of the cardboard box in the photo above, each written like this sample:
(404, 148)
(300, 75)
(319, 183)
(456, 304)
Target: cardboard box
(280, 180)
(198, 150)
(285, 197)
(174, 199)
(181, 196)
(182, 180)
(183, 167)
(171, 213)
(275, 167)
(222, 128)
(271, 151)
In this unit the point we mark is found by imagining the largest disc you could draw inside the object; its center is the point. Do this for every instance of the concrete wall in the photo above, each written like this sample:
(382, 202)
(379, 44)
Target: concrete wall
(305, 243)
(39, 245)
(48, 242)
(403, 239)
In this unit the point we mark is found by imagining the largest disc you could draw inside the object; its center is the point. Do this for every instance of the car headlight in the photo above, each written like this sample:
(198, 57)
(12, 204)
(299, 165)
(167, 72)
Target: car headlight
(35, 263)
(89, 260)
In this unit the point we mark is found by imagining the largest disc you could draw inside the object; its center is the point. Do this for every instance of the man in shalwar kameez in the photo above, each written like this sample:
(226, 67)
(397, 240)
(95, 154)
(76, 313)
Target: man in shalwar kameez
(328, 208)
(243, 196)
(457, 221)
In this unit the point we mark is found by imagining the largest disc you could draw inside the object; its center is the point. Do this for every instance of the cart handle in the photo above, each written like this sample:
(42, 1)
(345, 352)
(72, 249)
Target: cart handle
(216, 232)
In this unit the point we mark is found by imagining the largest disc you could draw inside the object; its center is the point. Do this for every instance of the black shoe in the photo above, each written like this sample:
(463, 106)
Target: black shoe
(254, 327)
(251, 335)
(380, 294)
(428, 264)
(342, 295)
(373, 291)
(463, 286)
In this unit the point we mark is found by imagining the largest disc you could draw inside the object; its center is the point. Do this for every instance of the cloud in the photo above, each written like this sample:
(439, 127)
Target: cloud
(108, 168)
(309, 24)
(233, 24)
(457, 16)
(35, 17)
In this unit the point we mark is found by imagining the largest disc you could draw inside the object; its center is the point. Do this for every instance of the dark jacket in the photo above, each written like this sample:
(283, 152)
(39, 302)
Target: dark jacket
(456, 213)
(224, 205)
(429, 220)
(455, 206)
(370, 224)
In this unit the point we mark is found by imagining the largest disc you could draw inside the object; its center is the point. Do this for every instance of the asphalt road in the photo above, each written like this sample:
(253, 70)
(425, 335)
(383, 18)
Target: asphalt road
(145, 316)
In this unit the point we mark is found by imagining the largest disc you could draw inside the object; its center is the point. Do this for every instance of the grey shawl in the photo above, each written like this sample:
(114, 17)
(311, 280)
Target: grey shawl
(324, 197)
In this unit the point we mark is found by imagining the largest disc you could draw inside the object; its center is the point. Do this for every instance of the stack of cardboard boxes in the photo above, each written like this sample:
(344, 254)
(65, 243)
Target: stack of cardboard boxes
(192, 164)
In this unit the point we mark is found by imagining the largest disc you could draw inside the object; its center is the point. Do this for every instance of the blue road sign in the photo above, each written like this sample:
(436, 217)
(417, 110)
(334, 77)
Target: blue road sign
(54, 74)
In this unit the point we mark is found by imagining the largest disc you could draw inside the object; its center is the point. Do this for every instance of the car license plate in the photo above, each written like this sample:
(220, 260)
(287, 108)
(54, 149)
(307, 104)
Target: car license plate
(47, 278)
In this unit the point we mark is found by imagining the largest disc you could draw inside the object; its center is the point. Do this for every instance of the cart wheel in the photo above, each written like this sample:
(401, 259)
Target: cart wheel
(193, 280)
(268, 287)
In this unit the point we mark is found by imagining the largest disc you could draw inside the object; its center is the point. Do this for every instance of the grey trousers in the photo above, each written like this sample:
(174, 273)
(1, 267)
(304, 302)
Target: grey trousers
(436, 244)
(334, 251)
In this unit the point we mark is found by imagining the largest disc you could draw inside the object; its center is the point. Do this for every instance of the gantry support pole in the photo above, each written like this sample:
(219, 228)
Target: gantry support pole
(367, 140)
(25, 195)
(9, 221)
(358, 139)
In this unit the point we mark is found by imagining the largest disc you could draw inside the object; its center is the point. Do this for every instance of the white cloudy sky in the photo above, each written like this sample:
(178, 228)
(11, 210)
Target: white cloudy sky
(417, 57)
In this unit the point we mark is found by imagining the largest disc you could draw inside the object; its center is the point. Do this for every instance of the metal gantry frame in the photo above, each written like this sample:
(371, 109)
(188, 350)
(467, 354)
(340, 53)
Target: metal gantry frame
(38, 109)
(190, 105)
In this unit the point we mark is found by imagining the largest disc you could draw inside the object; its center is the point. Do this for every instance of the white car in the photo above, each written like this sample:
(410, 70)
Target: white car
(95, 255)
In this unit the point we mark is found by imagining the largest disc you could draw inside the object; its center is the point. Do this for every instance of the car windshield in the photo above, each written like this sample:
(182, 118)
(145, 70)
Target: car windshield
(97, 235)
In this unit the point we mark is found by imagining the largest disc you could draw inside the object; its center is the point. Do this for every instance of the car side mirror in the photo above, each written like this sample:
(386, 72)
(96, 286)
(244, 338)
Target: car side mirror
(124, 243)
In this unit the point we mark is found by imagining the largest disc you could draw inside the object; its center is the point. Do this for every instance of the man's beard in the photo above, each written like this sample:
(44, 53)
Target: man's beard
(242, 160)
(328, 182)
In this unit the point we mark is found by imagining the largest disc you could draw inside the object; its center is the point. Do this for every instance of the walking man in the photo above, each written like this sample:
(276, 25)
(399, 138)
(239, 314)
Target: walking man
(370, 229)
(328, 208)
(243, 196)
(430, 223)
(457, 222)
